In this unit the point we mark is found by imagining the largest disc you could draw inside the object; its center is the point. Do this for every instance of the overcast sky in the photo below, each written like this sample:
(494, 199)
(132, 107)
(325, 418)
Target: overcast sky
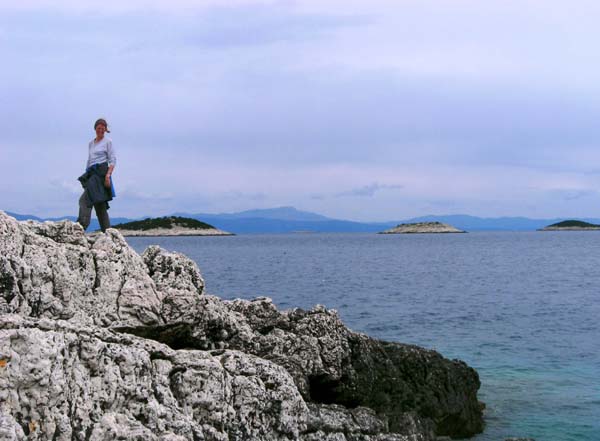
(378, 110)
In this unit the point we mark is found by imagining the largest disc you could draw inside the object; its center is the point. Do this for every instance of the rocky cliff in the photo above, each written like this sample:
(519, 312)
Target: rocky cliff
(99, 343)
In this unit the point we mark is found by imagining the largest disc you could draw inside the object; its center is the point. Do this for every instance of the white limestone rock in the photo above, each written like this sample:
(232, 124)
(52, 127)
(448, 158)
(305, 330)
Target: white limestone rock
(123, 284)
(309, 344)
(137, 388)
(52, 270)
(62, 381)
(10, 430)
(179, 280)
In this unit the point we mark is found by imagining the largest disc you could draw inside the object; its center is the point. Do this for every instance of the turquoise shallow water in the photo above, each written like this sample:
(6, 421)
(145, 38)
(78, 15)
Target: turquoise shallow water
(521, 308)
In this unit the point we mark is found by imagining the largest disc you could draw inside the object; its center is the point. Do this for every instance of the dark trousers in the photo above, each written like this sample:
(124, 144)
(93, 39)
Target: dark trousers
(85, 214)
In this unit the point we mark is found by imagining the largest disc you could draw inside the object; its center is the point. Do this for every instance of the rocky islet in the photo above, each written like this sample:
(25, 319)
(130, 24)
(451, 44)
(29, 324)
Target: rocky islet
(169, 226)
(98, 342)
(422, 227)
(571, 225)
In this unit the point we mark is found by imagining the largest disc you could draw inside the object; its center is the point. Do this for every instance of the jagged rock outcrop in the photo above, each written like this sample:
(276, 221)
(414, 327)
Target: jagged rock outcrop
(62, 381)
(88, 321)
(52, 270)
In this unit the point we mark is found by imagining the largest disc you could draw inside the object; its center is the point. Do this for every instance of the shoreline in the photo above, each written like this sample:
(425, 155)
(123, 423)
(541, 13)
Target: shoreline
(164, 232)
(570, 229)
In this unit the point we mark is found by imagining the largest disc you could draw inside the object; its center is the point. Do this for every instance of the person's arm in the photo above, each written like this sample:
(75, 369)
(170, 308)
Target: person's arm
(108, 173)
(112, 161)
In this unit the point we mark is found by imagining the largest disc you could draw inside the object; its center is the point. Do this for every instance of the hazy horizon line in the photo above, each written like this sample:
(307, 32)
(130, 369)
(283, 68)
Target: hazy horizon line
(327, 218)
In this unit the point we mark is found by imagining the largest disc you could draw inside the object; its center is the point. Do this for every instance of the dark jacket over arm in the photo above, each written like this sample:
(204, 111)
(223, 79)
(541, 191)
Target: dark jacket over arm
(93, 183)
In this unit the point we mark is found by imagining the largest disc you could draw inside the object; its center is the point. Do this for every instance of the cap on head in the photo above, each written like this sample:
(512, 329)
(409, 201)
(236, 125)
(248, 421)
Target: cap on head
(101, 121)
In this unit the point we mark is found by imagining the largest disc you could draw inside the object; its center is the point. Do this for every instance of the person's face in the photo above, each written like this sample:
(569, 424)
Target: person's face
(100, 130)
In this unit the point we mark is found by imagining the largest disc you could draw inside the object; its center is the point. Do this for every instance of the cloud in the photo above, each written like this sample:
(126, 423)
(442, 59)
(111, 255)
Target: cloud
(120, 7)
(255, 26)
(368, 190)
(573, 194)
(239, 195)
(70, 187)
(212, 103)
(133, 194)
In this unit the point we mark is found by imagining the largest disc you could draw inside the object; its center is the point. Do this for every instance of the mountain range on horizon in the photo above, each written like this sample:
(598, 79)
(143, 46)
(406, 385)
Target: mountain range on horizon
(289, 219)
(280, 213)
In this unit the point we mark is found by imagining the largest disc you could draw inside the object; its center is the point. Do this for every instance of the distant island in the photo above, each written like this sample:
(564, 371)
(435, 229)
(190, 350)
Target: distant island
(169, 226)
(289, 220)
(422, 227)
(571, 225)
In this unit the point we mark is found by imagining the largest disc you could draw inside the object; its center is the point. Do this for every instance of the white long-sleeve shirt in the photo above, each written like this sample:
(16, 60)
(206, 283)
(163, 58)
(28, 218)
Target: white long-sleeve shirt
(100, 152)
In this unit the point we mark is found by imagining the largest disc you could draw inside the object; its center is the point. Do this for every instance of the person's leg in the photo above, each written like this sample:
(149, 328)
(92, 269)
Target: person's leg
(85, 212)
(102, 214)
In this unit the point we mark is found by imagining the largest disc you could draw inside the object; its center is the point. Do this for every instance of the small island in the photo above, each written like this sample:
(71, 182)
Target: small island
(422, 227)
(169, 226)
(571, 225)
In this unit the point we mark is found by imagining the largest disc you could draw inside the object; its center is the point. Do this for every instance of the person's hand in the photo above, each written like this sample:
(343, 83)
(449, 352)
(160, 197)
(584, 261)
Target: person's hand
(107, 182)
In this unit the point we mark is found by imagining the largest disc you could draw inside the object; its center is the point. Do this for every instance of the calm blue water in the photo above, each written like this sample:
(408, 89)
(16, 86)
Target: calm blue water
(521, 308)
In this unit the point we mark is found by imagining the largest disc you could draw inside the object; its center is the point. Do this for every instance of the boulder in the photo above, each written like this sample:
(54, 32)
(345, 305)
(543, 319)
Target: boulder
(93, 337)
(332, 364)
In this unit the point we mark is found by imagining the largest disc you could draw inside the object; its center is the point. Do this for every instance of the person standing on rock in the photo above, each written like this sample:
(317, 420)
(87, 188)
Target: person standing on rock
(97, 179)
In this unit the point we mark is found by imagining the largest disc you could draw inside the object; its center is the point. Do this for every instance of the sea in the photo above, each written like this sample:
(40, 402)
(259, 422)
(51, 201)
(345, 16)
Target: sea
(522, 308)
